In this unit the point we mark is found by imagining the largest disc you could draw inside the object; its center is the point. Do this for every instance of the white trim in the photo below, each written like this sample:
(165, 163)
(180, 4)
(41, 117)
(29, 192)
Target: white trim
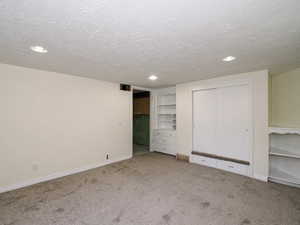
(260, 177)
(215, 85)
(59, 175)
(151, 114)
(141, 88)
(251, 126)
(282, 130)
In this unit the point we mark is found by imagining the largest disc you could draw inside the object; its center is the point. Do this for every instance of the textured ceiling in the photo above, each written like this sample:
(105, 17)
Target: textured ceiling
(127, 40)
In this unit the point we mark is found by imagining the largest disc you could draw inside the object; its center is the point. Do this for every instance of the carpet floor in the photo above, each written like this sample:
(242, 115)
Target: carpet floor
(152, 189)
(140, 149)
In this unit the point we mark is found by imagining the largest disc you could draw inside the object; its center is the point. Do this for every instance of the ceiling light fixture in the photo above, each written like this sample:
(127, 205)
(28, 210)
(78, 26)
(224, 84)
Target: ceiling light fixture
(229, 58)
(152, 77)
(38, 49)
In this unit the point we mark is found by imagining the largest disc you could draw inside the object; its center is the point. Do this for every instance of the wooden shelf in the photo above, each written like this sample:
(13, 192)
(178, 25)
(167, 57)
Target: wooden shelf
(283, 153)
(282, 130)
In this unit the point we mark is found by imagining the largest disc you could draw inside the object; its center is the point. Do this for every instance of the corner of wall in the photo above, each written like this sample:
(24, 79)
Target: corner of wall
(59, 175)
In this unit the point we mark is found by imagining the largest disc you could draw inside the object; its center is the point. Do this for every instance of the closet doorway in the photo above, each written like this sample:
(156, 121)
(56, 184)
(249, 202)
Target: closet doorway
(222, 124)
(141, 122)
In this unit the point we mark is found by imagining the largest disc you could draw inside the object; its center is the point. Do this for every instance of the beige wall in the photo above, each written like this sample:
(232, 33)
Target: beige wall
(285, 99)
(259, 81)
(53, 124)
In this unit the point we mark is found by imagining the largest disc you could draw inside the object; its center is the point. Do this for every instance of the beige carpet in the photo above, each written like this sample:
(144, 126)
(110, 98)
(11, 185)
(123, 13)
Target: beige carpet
(152, 189)
(140, 149)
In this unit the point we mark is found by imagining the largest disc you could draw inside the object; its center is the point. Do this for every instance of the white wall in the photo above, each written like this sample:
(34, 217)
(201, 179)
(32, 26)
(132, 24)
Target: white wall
(54, 124)
(259, 82)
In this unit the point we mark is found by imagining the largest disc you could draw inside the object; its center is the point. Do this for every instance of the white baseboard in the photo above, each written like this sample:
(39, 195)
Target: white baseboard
(58, 175)
(260, 177)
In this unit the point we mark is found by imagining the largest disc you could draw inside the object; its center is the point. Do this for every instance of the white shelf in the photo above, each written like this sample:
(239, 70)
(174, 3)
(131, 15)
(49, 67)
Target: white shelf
(283, 177)
(284, 153)
(167, 104)
(166, 111)
(282, 130)
(164, 129)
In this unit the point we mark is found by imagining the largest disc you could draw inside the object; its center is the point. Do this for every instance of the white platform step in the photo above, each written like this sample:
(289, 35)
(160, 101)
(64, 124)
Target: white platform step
(221, 164)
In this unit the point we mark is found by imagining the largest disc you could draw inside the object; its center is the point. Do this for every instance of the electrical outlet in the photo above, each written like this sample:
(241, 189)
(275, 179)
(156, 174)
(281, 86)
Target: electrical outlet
(107, 157)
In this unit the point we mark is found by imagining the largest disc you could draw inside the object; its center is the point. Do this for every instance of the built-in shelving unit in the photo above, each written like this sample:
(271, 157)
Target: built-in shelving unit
(166, 111)
(285, 155)
(164, 126)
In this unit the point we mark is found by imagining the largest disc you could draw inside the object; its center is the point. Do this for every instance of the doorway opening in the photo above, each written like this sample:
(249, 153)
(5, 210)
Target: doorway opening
(141, 122)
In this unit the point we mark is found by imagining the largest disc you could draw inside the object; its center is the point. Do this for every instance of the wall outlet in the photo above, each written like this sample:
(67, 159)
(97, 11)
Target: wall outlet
(107, 157)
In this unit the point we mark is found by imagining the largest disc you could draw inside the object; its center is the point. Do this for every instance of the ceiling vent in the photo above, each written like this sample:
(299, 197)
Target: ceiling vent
(125, 87)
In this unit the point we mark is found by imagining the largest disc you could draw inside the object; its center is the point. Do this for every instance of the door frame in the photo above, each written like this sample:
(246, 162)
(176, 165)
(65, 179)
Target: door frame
(150, 113)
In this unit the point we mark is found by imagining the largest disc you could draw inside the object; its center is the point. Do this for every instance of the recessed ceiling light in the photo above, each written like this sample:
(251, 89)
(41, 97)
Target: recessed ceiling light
(38, 49)
(152, 77)
(229, 58)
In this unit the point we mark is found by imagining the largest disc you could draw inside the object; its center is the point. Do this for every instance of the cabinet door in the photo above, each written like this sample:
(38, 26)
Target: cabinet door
(164, 141)
(204, 120)
(233, 122)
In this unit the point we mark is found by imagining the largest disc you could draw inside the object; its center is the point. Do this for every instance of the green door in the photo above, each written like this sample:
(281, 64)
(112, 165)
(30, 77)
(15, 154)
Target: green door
(141, 129)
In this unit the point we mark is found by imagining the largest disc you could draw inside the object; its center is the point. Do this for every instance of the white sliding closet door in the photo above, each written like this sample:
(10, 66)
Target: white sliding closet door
(233, 122)
(221, 121)
(204, 120)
